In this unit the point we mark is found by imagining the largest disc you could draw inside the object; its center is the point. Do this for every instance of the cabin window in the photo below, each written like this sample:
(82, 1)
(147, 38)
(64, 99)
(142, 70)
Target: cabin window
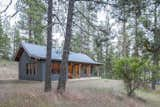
(31, 68)
(55, 68)
(84, 69)
(27, 69)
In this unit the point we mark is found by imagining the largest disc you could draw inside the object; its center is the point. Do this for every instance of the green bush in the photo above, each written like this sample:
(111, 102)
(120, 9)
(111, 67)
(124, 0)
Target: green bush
(129, 69)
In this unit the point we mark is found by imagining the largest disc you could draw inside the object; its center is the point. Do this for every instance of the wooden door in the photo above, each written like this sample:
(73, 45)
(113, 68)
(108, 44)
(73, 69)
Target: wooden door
(76, 71)
(70, 71)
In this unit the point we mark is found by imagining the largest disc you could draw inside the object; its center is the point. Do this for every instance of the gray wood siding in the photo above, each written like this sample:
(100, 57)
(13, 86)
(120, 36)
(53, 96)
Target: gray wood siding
(40, 75)
(43, 69)
(22, 66)
(24, 60)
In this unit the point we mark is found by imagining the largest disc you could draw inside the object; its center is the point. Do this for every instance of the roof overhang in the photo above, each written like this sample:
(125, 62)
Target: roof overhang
(22, 48)
(18, 54)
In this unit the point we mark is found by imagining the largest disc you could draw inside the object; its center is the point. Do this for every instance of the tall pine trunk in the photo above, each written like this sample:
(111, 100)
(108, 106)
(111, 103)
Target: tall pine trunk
(136, 36)
(156, 45)
(30, 25)
(29, 30)
(125, 38)
(64, 64)
(49, 49)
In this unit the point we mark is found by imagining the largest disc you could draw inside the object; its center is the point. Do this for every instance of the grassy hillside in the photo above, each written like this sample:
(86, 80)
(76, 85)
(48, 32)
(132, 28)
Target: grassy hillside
(8, 70)
(82, 93)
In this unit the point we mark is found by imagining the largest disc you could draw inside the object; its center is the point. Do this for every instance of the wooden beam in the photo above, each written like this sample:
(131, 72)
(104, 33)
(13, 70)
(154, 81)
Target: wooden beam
(88, 68)
(80, 70)
(70, 70)
(77, 71)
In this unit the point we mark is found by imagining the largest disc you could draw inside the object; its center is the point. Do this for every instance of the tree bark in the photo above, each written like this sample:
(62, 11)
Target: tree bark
(49, 49)
(30, 31)
(125, 38)
(64, 64)
(136, 36)
(29, 27)
(155, 62)
(156, 45)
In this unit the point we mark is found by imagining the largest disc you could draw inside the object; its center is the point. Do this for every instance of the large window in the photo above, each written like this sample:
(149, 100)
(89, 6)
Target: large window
(55, 68)
(84, 69)
(31, 68)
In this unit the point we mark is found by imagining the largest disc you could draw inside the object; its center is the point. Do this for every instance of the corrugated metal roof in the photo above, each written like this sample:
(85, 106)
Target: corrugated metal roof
(38, 51)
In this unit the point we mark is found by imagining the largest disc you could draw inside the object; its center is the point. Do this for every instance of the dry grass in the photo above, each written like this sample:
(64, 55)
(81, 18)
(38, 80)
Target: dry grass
(8, 70)
(84, 93)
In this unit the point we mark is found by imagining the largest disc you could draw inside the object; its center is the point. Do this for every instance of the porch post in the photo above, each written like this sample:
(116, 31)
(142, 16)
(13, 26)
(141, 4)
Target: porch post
(71, 70)
(80, 70)
(89, 70)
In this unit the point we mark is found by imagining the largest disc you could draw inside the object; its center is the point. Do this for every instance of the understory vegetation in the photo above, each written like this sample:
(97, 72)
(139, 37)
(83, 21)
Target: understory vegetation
(135, 73)
(81, 93)
(121, 35)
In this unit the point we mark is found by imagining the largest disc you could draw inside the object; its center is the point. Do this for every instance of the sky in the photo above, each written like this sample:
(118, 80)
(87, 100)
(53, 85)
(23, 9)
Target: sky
(12, 9)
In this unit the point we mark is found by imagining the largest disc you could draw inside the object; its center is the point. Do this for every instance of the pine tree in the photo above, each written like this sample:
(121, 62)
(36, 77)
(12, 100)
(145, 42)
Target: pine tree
(1, 38)
(64, 64)
(32, 14)
(16, 40)
(149, 21)
(121, 14)
(136, 11)
(4, 43)
(48, 84)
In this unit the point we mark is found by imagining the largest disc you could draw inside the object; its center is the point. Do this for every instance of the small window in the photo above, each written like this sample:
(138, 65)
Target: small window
(27, 69)
(31, 68)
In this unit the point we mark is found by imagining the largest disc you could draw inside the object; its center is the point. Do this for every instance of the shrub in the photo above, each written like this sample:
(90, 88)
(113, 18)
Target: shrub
(130, 71)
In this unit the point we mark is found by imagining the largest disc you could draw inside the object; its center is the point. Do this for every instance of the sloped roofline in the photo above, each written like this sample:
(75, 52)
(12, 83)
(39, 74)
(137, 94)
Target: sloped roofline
(22, 48)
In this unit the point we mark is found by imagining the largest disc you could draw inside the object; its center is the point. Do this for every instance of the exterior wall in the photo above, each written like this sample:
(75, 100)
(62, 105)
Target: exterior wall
(24, 60)
(22, 66)
(74, 72)
(43, 69)
(40, 75)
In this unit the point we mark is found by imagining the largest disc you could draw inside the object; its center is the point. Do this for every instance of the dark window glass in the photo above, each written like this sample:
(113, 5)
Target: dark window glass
(31, 68)
(27, 69)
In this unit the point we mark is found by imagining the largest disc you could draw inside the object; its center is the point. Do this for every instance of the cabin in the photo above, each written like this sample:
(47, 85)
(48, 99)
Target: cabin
(31, 58)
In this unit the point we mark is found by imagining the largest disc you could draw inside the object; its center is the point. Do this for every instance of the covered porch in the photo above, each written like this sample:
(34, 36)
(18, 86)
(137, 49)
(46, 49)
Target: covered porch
(75, 70)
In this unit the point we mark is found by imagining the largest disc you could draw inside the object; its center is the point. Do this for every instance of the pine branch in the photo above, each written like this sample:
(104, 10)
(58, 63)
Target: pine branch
(82, 29)
(100, 2)
(91, 24)
(15, 13)
(61, 24)
(3, 11)
(150, 48)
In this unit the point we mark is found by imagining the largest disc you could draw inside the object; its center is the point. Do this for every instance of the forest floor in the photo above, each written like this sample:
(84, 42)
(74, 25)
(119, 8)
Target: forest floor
(79, 93)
